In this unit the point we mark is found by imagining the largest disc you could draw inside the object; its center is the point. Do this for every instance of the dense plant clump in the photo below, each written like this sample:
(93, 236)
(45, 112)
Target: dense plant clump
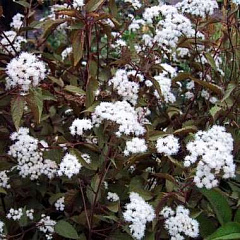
(120, 120)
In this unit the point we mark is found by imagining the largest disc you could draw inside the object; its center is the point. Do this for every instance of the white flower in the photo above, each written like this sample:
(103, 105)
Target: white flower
(17, 21)
(30, 213)
(46, 225)
(122, 113)
(168, 145)
(179, 222)
(165, 83)
(205, 94)
(125, 88)
(199, 8)
(171, 27)
(105, 184)
(25, 150)
(24, 71)
(236, 1)
(136, 24)
(135, 3)
(86, 157)
(213, 100)
(212, 150)
(138, 213)
(49, 168)
(1, 228)
(15, 214)
(59, 204)
(79, 126)
(136, 145)
(4, 180)
(190, 85)
(78, 3)
(69, 166)
(15, 42)
(65, 53)
(151, 13)
(112, 197)
(189, 95)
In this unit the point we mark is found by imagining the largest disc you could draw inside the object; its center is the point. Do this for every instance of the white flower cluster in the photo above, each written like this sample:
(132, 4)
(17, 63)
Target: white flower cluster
(179, 223)
(17, 21)
(212, 150)
(200, 8)
(168, 30)
(4, 180)
(25, 149)
(30, 213)
(138, 212)
(172, 27)
(79, 126)
(69, 166)
(236, 1)
(112, 197)
(142, 113)
(135, 3)
(66, 52)
(59, 204)
(136, 145)
(86, 157)
(49, 168)
(78, 3)
(120, 112)
(24, 71)
(136, 24)
(125, 88)
(30, 161)
(54, 16)
(10, 42)
(168, 145)
(165, 83)
(15, 214)
(46, 225)
(151, 13)
(1, 228)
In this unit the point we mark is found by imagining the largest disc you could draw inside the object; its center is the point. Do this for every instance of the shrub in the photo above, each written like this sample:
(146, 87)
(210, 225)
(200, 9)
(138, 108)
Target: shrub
(120, 120)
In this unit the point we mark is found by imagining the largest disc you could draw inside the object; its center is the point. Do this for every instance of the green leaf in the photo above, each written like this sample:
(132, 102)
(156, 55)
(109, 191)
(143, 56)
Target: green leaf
(186, 130)
(50, 25)
(77, 44)
(206, 225)
(66, 230)
(47, 96)
(237, 216)
(92, 86)
(211, 61)
(35, 103)
(58, 81)
(91, 108)
(214, 111)
(17, 107)
(230, 88)
(23, 3)
(219, 205)
(74, 89)
(214, 88)
(229, 231)
(55, 197)
(181, 77)
(93, 5)
(2, 190)
(113, 207)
